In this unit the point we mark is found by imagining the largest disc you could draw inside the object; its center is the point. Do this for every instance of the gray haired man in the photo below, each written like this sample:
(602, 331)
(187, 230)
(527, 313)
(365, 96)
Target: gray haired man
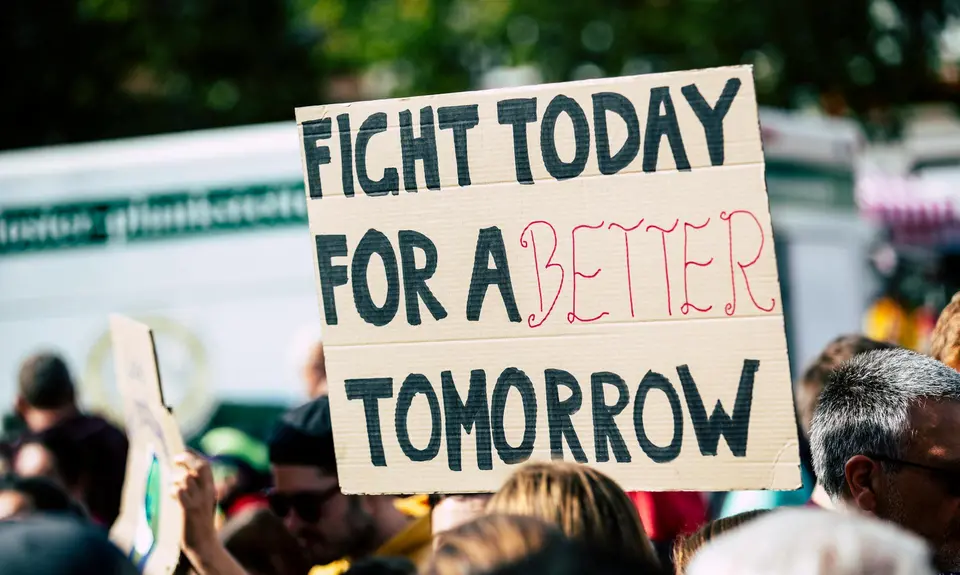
(885, 440)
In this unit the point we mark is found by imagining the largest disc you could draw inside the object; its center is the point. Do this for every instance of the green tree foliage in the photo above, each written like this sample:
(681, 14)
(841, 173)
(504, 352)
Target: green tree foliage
(87, 69)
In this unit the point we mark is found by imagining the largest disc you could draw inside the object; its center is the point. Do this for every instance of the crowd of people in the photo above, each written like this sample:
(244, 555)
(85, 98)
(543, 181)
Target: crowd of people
(880, 450)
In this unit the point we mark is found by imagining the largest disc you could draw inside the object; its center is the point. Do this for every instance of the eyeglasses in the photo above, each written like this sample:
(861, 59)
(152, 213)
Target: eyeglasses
(306, 504)
(949, 477)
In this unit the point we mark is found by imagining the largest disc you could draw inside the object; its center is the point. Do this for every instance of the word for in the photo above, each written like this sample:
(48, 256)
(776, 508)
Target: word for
(609, 396)
(515, 114)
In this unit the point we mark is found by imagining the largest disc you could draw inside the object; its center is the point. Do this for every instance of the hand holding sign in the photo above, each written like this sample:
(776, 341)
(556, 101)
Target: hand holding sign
(578, 271)
(194, 488)
(150, 524)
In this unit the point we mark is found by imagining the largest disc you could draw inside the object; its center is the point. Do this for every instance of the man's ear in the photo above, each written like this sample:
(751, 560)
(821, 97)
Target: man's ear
(861, 473)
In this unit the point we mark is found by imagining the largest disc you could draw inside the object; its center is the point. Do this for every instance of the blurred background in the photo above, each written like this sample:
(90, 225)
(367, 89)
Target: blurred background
(149, 161)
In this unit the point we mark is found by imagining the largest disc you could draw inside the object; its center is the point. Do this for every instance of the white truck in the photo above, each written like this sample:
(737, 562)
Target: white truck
(204, 236)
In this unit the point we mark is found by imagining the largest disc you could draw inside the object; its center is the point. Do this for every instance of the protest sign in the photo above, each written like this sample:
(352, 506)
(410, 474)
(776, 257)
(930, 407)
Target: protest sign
(150, 525)
(581, 271)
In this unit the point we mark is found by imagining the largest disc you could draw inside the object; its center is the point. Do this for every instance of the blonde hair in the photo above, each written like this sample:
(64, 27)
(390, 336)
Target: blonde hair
(945, 340)
(582, 502)
(686, 548)
(487, 543)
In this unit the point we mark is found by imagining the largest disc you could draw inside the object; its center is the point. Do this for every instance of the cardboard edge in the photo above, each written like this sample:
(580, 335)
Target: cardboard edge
(318, 112)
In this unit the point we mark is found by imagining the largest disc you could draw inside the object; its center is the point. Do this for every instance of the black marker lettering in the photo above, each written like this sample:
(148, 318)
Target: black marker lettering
(519, 112)
(604, 427)
(658, 454)
(371, 391)
(331, 276)
(734, 428)
(559, 412)
(474, 414)
(374, 242)
(659, 125)
(459, 119)
(581, 138)
(490, 243)
(412, 386)
(621, 106)
(514, 378)
(346, 154)
(422, 148)
(315, 155)
(712, 118)
(415, 279)
(390, 182)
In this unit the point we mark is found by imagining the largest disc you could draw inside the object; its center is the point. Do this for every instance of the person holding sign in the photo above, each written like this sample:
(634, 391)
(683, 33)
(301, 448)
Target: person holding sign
(334, 528)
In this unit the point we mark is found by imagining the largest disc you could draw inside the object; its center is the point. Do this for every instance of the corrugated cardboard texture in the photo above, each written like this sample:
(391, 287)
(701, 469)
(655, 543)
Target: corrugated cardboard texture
(151, 429)
(601, 250)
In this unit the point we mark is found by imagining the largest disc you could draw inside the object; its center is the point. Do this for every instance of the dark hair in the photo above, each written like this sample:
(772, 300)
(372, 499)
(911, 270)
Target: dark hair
(382, 566)
(686, 547)
(304, 436)
(45, 382)
(864, 409)
(45, 495)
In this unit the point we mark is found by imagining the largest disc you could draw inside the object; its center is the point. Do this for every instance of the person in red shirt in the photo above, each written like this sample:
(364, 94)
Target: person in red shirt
(667, 515)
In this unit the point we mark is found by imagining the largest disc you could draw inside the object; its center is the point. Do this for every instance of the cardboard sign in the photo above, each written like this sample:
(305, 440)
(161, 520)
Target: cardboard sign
(581, 271)
(150, 525)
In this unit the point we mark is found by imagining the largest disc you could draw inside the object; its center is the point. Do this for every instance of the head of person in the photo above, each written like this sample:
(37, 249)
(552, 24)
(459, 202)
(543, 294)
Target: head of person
(306, 494)
(449, 511)
(62, 545)
(686, 547)
(808, 388)
(45, 393)
(315, 372)
(488, 542)
(885, 439)
(804, 541)
(21, 496)
(945, 341)
(583, 503)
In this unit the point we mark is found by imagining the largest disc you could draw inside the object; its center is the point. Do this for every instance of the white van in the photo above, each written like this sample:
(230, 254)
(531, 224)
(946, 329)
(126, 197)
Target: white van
(203, 235)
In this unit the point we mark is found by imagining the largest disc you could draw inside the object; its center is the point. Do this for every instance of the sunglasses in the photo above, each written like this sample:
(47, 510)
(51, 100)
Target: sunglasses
(950, 478)
(306, 504)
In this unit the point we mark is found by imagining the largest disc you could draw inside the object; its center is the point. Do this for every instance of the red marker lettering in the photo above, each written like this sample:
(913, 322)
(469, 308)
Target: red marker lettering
(731, 307)
(572, 316)
(687, 306)
(666, 266)
(626, 246)
(531, 320)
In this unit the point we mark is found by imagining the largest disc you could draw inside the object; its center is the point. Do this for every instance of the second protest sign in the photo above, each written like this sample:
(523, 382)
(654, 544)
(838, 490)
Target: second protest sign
(578, 271)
